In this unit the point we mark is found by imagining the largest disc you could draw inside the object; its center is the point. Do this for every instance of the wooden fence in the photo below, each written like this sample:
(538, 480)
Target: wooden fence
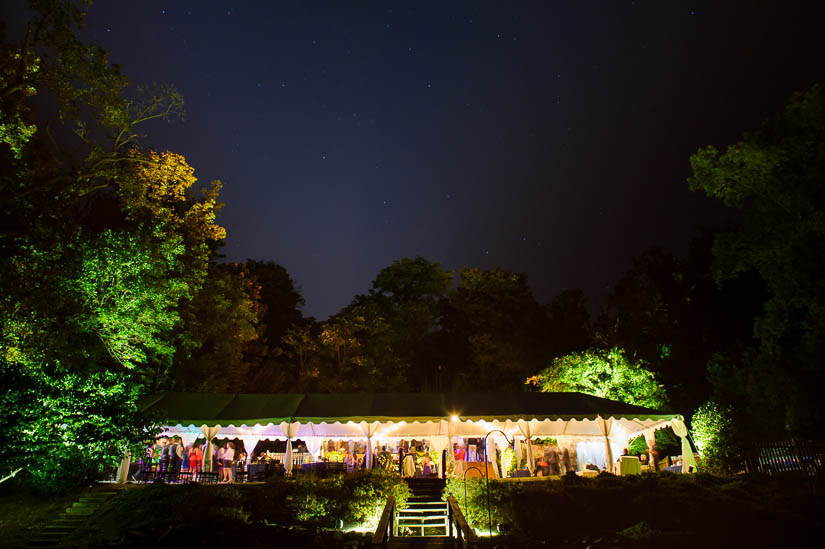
(788, 456)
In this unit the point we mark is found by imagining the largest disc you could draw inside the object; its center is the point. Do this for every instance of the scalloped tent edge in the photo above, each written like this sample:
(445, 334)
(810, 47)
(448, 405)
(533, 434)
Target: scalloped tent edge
(438, 416)
(225, 408)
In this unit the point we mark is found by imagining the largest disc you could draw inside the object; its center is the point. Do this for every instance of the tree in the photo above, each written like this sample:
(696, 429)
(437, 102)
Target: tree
(98, 250)
(300, 345)
(776, 178)
(401, 317)
(280, 299)
(604, 373)
(220, 324)
(569, 327)
(60, 428)
(341, 336)
(497, 329)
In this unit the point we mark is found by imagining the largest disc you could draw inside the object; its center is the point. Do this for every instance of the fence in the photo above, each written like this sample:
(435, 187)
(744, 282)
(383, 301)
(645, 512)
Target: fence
(787, 457)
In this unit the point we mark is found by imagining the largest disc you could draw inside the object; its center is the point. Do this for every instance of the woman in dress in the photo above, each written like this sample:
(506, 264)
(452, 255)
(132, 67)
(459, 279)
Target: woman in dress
(459, 452)
(195, 460)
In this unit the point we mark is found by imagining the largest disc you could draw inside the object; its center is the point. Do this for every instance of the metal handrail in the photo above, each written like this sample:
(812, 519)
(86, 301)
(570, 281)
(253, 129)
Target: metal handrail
(383, 532)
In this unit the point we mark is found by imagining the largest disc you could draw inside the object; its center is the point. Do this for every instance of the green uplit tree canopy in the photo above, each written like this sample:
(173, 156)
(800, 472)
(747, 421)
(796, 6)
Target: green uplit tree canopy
(607, 373)
(98, 251)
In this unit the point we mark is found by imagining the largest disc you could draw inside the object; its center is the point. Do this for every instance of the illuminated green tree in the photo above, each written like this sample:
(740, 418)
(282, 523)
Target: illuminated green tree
(98, 250)
(604, 373)
(713, 431)
(61, 428)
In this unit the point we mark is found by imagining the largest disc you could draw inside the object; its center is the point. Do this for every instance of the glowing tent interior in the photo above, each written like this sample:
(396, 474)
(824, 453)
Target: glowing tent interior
(442, 419)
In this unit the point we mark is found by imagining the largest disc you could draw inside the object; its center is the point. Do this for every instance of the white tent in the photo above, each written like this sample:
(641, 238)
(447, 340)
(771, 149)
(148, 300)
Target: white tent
(439, 418)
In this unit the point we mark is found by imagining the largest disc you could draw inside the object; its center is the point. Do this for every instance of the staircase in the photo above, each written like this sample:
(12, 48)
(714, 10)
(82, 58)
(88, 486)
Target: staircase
(64, 524)
(425, 515)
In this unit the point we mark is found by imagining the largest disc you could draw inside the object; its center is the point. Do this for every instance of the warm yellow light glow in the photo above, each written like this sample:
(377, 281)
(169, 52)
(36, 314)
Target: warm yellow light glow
(454, 417)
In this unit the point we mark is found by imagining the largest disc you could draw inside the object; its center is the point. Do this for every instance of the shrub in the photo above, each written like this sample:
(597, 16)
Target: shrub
(368, 492)
(355, 498)
(637, 446)
(667, 442)
(713, 433)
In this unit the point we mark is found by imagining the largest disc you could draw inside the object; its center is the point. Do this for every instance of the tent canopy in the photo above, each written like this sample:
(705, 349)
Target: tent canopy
(262, 409)
(221, 408)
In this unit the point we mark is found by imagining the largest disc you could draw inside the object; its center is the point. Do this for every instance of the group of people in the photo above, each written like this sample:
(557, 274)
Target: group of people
(656, 459)
(408, 462)
(169, 455)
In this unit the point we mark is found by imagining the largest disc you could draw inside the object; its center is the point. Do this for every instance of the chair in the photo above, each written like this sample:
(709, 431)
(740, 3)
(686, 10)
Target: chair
(629, 465)
(208, 477)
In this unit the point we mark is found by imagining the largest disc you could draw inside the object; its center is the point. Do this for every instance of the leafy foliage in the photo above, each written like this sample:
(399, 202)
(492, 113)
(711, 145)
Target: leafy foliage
(712, 510)
(500, 327)
(637, 446)
(99, 249)
(356, 498)
(667, 442)
(65, 428)
(604, 373)
(714, 435)
(219, 325)
(775, 178)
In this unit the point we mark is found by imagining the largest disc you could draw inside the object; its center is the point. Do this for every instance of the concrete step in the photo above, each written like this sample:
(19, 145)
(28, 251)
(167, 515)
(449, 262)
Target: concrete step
(97, 500)
(421, 519)
(68, 519)
(45, 536)
(427, 511)
(85, 504)
(410, 519)
(424, 499)
(61, 529)
(433, 542)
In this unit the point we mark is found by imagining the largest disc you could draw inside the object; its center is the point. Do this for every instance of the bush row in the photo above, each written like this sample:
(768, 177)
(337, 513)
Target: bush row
(736, 510)
(303, 504)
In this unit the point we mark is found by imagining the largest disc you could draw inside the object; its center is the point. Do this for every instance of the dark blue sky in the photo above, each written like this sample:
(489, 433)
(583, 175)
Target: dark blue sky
(541, 137)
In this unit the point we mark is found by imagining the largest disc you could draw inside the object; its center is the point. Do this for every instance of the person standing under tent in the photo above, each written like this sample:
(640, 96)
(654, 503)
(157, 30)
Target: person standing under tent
(408, 466)
(219, 457)
(185, 464)
(163, 461)
(195, 461)
(175, 451)
(228, 460)
(459, 452)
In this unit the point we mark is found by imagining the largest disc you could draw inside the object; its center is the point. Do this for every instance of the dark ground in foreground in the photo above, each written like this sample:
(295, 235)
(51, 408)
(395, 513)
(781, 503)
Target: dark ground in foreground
(653, 512)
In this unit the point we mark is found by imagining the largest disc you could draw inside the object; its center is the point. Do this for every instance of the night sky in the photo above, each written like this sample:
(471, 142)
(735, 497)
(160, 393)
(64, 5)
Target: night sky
(545, 137)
